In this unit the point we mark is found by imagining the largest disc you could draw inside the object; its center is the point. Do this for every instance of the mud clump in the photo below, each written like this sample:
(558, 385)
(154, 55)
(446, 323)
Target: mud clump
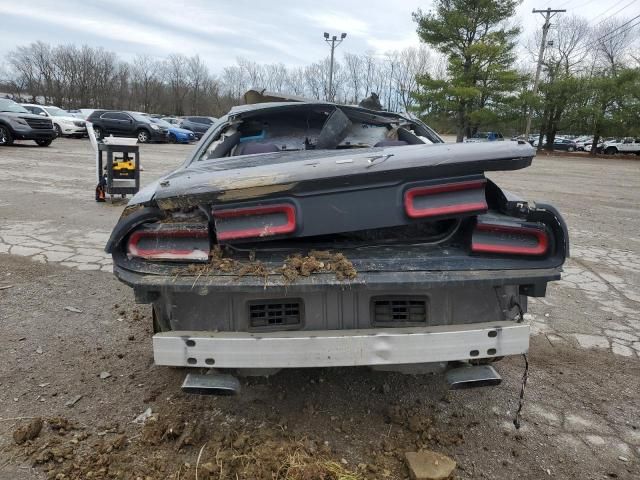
(59, 423)
(295, 266)
(256, 452)
(423, 426)
(27, 432)
(318, 261)
(217, 263)
(117, 443)
(254, 268)
(221, 263)
(153, 432)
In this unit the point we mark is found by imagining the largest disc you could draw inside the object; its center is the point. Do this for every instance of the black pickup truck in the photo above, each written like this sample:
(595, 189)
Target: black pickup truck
(310, 234)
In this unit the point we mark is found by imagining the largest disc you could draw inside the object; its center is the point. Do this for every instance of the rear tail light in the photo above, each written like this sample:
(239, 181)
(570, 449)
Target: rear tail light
(255, 222)
(531, 240)
(170, 242)
(448, 199)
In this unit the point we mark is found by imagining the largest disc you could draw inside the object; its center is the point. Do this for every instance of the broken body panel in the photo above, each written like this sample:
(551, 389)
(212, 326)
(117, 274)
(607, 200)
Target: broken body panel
(307, 234)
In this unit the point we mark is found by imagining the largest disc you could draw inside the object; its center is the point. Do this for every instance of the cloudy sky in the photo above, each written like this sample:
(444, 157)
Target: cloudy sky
(287, 31)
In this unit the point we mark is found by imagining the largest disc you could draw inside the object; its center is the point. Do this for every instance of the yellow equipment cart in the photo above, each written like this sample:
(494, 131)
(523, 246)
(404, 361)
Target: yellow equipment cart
(119, 170)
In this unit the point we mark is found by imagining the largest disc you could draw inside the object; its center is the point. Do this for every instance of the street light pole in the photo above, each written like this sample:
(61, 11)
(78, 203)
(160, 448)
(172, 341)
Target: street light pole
(333, 42)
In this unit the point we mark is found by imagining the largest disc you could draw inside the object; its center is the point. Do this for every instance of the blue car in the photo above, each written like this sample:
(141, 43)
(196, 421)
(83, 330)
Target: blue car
(176, 134)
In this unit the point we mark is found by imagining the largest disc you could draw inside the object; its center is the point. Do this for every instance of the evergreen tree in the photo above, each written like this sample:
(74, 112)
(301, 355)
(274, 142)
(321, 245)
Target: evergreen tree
(479, 46)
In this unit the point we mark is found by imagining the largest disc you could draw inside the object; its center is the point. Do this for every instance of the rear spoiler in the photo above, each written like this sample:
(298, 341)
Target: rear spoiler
(262, 96)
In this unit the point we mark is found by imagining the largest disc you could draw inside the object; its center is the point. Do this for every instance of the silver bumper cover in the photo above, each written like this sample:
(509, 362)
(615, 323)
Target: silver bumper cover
(334, 348)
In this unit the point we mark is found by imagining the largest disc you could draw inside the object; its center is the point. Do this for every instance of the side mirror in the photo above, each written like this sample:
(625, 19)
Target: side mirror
(42, 114)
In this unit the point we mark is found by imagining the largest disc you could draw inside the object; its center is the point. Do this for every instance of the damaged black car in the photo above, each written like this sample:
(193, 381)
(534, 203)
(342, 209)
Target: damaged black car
(311, 234)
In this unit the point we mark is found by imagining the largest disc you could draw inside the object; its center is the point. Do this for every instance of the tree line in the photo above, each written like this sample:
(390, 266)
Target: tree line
(71, 77)
(590, 81)
(467, 75)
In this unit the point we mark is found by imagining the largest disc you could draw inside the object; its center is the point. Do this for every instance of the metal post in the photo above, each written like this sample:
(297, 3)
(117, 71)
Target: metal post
(333, 48)
(548, 14)
(334, 42)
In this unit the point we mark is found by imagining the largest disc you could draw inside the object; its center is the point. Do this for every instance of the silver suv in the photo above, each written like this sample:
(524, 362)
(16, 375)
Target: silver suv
(16, 123)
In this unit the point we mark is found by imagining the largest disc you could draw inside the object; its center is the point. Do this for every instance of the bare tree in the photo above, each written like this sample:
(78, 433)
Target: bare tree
(176, 74)
(568, 48)
(295, 81)
(613, 41)
(27, 78)
(146, 81)
(198, 75)
(234, 80)
(252, 71)
(353, 66)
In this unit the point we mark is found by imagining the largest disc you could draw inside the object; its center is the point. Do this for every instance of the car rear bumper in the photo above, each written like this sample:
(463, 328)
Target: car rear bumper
(336, 348)
(169, 282)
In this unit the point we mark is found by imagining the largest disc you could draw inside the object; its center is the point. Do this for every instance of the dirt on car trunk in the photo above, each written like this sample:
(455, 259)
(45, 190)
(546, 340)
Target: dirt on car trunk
(76, 356)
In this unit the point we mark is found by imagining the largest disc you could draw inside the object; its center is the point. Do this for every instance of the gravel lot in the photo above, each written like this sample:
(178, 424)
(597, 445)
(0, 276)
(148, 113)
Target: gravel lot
(582, 412)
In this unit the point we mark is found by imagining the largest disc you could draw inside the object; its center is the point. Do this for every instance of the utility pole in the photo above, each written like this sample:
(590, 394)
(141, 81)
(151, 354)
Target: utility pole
(333, 42)
(548, 14)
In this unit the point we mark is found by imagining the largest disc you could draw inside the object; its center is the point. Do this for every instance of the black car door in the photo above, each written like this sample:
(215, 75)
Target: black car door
(127, 124)
(110, 123)
(202, 124)
(117, 123)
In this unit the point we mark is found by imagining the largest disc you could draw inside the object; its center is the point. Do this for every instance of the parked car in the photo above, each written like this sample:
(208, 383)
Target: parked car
(198, 125)
(601, 142)
(564, 144)
(625, 145)
(485, 137)
(529, 139)
(536, 141)
(582, 141)
(292, 238)
(127, 124)
(64, 123)
(17, 123)
(82, 113)
(589, 146)
(173, 120)
(176, 134)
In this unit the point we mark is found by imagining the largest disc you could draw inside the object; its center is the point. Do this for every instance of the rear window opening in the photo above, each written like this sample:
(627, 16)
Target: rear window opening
(304, 127)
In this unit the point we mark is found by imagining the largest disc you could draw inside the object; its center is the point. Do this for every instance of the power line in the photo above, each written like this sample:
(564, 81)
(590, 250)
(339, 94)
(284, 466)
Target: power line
(611, 8)
(584, 4)
(568, 2)
(607, 36)
(626, 30)
(617, 28)
(623, 8)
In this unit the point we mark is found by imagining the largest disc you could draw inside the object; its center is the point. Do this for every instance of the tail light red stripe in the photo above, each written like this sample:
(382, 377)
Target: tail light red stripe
(257, 232)
(538, 233)
(167, 253)
(454, 208)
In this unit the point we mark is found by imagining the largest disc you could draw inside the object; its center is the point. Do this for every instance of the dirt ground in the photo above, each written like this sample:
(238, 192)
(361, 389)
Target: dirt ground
(71, 333)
